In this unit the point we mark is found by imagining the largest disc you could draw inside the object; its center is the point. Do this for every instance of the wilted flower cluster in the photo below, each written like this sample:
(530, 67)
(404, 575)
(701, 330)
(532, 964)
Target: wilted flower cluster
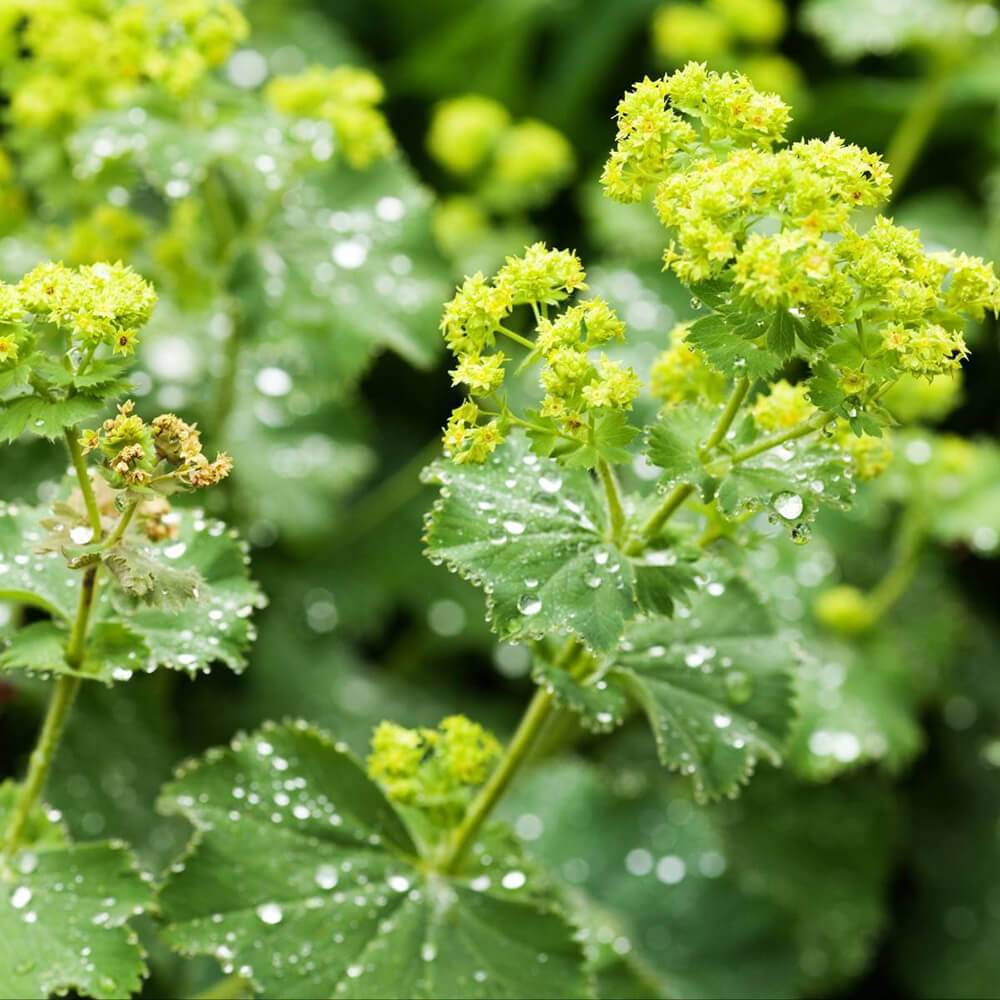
(164, 455)
(95, 304)
(347, 98)
(777, 223)
(433, 769)
(515, 165)
(51, 84)
(577, 387)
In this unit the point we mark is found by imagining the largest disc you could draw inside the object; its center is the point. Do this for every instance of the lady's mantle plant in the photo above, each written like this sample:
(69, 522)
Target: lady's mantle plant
(310, 876)
(110, 580)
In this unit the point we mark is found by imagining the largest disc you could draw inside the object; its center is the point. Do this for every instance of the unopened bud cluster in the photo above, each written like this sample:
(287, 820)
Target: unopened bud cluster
(433, 770)
(165, 453)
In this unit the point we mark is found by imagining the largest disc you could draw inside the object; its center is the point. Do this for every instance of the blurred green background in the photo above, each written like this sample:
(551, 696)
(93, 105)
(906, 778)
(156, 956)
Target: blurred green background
(870, 865)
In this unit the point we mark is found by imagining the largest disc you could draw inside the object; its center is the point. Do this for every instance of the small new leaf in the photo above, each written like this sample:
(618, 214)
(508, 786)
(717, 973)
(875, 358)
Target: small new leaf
(674, 442)
(139, 572)
(728, 352)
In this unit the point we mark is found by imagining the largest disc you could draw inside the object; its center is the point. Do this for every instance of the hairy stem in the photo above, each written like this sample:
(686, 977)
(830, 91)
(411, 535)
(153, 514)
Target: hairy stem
(534, 718)
(65, 689)
(63, 696)
(122, 526)
(612, 494)
(676, 497)
(816, 422)
(83, 477)
(733, 405)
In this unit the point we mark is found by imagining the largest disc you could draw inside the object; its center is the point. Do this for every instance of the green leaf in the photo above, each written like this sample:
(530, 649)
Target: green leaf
(728, 352)
(530, 533)
(654, 862)
(715, 684)
(825, 392)
(599, 706)
(213, 627)
(792, 482)
(611, 437)
(63, 914)
(140, 573)
(781, 334)
(44, 418)
(113, 652)
(27, 577)
(295, 846)
(674, 442)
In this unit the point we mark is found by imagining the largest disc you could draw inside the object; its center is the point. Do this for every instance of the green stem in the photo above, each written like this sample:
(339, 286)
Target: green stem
(233, 987)
(725, 421)
(535, 717)
(60, 703)
(894, 584)
(83, 477)
(816, 422)
(676, 497)
(66, 687)
(516, 337)
(612, 493)
(225, 389)
(122, 526)
(917, 124)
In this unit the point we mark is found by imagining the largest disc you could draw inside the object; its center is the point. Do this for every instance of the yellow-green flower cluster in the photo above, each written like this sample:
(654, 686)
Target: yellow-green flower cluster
(784, 406)
(96, 303)
(165, 451)
(347, 98)
(513, 165)
(172, 43)
(778, 222)
(11, 314)
(106, 233)
(464, 132)
(577, 387)
(680, 375)
(683, 31)
(869, 456)
(434, 770)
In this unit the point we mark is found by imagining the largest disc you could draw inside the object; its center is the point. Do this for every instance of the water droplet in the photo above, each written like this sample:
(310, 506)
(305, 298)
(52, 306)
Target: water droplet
(529, 604)
(20, 897)
(739, 687)
(514, 527)
(270, 913)
(550, 483)
(788, 505)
